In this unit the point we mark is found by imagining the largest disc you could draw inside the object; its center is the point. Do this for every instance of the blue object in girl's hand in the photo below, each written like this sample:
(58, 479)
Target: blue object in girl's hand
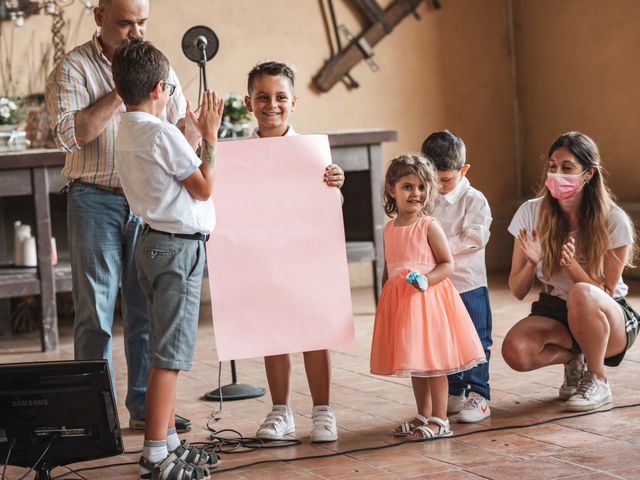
(417, 277)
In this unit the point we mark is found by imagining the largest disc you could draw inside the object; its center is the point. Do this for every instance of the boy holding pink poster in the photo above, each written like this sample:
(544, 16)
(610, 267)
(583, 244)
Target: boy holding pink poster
(271, 99)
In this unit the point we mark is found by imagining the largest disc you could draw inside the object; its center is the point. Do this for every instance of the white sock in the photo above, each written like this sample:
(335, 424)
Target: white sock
(173, 441)
(155, 450)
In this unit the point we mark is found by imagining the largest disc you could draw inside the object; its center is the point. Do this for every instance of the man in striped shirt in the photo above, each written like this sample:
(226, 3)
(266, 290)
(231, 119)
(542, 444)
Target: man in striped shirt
(85, 111)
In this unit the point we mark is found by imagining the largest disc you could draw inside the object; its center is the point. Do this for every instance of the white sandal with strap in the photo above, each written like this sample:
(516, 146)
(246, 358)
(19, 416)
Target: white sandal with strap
(407, 427)
(425, 433)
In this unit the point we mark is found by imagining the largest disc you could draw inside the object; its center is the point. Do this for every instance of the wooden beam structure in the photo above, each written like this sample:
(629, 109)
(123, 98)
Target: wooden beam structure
(360, 47)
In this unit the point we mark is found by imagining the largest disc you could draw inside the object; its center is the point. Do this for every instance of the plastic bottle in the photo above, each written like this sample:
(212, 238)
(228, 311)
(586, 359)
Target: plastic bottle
(29, 255)
(17, 243)
(21, 233)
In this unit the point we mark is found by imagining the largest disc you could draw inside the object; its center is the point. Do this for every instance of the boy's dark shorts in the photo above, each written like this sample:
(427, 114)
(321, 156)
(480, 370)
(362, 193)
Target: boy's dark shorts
(554, 307)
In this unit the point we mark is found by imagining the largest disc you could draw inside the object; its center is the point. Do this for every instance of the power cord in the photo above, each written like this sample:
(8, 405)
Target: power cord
(6, 460)
(73, 472)
(214, 415)
(242, 444)
(238, 443)
(53, 437)
(88, 469)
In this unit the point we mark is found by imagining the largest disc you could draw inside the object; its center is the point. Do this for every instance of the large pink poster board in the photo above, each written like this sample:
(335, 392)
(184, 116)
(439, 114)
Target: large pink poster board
(277, 259)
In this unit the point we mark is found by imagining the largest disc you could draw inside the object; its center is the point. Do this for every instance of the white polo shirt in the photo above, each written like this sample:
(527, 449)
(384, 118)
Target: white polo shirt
(289, 133)
(465, 217)
(152, 159)
(620, 234)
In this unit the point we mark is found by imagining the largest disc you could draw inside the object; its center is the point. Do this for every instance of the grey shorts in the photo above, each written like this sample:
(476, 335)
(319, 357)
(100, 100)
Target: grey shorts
(170, 271)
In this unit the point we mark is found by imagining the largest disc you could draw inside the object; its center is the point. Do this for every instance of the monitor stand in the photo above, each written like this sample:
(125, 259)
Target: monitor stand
(43, 472)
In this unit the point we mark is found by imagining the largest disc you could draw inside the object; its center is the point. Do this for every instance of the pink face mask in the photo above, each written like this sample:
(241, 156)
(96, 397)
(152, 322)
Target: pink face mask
(563, 185)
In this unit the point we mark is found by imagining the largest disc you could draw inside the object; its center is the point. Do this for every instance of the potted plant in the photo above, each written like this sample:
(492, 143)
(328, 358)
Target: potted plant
(11, 137)
(235, 118)
(8, 114)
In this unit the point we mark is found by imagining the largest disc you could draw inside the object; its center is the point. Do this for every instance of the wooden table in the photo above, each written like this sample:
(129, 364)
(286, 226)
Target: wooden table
(359, 154)
(37, 173)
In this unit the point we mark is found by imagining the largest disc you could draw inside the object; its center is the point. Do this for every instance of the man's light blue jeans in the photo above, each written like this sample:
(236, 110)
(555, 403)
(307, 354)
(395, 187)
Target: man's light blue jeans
(102, 241)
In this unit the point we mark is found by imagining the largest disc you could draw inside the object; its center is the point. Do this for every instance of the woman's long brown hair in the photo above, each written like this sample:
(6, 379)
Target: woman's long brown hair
(593, 216)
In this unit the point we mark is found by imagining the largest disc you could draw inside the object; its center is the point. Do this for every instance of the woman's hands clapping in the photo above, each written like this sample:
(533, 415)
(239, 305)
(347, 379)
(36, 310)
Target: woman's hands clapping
(567, 255)
(530, 246)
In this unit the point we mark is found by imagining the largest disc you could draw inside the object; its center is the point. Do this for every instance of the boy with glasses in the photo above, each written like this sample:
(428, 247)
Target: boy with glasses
(171, 87)
(156, 161)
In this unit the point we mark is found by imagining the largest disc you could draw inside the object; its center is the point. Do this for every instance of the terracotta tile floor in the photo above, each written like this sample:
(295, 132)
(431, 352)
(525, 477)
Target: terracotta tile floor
(604, 445)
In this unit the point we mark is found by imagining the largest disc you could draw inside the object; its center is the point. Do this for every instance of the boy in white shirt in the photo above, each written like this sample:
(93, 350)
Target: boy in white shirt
(170, 188)
(465, 217)
(271, 98)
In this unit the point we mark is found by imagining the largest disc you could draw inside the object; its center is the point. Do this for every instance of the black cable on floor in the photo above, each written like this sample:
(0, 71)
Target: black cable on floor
(230, 445)
(241, 444)
(75, 473)
(6, 460)
(87, 469)
(404, 442)
(53, 437)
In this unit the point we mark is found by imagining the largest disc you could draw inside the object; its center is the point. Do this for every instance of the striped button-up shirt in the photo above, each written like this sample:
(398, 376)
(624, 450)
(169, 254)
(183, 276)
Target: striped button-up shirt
(81, 79)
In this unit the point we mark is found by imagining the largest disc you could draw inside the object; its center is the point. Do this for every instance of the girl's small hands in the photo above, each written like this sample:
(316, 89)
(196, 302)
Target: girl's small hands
(530, 246)
(417, 286)
(417, 280)
(567, 255)
(334, 176)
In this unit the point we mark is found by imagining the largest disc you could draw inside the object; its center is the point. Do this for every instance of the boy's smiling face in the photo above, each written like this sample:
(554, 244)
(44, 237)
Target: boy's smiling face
(271, 100)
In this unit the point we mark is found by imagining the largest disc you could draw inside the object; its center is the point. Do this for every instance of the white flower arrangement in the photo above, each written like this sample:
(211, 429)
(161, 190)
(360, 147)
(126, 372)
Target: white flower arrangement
(235, 111)
(8, 111)
(235, 117)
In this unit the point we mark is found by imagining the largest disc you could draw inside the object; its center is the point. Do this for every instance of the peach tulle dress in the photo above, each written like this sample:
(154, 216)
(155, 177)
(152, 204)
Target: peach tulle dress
(421, 334)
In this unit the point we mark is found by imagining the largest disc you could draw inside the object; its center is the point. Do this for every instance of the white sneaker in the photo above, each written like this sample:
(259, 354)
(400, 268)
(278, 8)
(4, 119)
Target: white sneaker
(279, 422)
(476, 408)
(573, 372)
(455, 404)
(593, 392)
(324, 424)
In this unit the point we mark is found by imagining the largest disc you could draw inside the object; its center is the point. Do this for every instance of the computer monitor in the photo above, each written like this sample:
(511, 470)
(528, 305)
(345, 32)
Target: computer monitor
(57, 413)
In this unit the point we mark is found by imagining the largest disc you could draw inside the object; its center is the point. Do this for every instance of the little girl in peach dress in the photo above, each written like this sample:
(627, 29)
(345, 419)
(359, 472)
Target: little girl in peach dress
(422, 328)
